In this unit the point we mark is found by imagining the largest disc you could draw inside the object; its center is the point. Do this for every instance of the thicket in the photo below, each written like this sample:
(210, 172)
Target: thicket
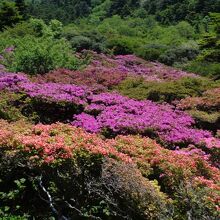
(189, 39)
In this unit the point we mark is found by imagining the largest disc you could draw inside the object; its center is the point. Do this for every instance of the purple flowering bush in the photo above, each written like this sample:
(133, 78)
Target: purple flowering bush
(110, 113)
(11, 81)
(47, 102)
(135, 66)
(57, 92)
(117, 114)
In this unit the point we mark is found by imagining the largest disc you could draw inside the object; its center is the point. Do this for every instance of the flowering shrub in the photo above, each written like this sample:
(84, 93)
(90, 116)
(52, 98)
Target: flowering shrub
(151, 71)
(109, 113)
(135, 66)
(172, 168)
(205, 109)
(99, 79)
(56, 158)
(121, 115)
(57, 92)
(45, 146)
(48, 102)
(50, 142)
(111, 177)
(210, 101)
(11, 80)
(110, 71)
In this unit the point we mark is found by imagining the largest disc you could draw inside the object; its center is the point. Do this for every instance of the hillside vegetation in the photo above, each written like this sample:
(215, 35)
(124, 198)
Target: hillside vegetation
(109, 110)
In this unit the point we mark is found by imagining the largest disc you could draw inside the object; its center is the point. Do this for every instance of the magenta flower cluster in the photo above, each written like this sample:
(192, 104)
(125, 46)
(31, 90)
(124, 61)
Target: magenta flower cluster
(11, 81)
(122, 115)
(57, 92)
(134, 66)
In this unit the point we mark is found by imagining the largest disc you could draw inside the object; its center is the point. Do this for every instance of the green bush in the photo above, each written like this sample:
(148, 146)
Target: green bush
(206, 120)
(11, 106)
(40, 55)
(151, 52)
(138, 88)
(14, 107)
(191, 202)
(180, 54)
(211, 69)
(120, 46)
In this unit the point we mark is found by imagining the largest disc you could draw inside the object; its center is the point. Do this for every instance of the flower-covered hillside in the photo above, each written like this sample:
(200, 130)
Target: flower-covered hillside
(68, 139)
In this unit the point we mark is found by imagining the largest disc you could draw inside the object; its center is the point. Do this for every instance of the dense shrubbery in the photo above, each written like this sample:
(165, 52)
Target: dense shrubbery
(97, 79)
(203, 68)
(112, 114)
(101, 187)
(125, 185)
(139, 88)
(57, 83)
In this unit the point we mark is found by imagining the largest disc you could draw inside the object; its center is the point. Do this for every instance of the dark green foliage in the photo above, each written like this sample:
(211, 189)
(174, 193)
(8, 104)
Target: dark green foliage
(203, 68)
(14, 107)
(123, 7)
(9, 14)
(152, 52)
(176, 10)
(85, 40)
(120, 46)
(210, 43)
(179, 54)
(86, 187)
(64, 10)
(22, 7)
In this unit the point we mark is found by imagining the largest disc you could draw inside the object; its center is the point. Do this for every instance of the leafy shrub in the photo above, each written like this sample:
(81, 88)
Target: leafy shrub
(210, 101)
(11, 105)
(120, 46)
(134, 189)
(84, 180)
(81, 42)
(9, 14)
(204, 68)
(87, 40)
(40, 55)
(174, 171)
(139, 89)
(180, 54)
(151, 52)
